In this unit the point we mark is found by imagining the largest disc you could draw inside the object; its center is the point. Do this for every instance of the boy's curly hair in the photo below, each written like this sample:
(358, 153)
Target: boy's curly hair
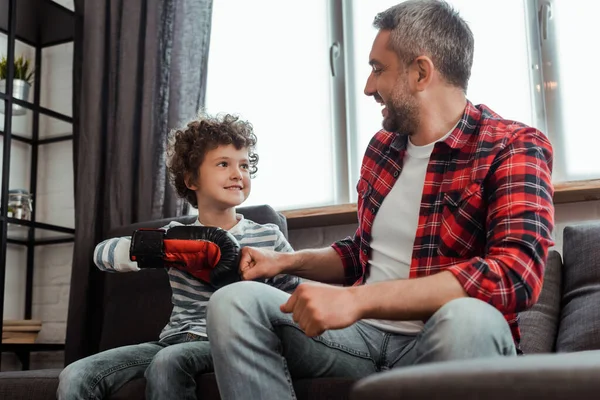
(187, 147)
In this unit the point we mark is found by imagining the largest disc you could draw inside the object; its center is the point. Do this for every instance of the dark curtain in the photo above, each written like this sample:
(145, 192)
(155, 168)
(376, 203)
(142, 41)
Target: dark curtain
(139, 71)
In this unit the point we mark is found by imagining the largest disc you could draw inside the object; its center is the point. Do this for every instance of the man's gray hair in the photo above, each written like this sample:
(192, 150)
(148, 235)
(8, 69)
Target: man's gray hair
(432, 28)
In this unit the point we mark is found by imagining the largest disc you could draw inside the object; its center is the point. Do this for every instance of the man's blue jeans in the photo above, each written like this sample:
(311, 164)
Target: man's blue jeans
(170, 367)
(257, 349)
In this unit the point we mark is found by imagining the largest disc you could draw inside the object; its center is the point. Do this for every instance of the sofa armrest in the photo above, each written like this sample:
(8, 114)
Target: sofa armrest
(548, 376)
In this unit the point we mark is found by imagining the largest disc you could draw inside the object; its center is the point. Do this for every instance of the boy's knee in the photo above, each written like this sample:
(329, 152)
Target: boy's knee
(72, 381)
(164, 362)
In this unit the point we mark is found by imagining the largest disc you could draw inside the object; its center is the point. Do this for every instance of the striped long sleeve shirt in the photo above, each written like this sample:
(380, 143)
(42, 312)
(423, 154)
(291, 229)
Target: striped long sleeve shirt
(189, 295)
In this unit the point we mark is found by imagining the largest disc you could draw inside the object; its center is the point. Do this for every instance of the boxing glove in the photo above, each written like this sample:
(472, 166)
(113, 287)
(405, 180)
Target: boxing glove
(210, 254)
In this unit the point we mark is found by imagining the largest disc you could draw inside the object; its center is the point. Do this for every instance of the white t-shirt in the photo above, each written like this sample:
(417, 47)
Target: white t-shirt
(395, 227)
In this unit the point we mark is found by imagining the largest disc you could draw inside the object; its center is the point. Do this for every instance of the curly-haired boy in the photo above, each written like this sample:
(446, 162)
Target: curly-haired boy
(211, 161)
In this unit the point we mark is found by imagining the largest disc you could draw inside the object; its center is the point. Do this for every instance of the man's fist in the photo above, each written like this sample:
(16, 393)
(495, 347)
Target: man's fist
(257, 263)
(210, 254)
(316, 307)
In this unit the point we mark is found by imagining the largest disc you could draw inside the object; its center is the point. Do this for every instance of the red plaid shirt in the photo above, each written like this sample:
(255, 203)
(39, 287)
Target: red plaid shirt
(486, 212)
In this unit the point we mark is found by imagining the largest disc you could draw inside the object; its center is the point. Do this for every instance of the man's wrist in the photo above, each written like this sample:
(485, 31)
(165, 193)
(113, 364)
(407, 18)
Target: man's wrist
(361, 300)
(290, 262)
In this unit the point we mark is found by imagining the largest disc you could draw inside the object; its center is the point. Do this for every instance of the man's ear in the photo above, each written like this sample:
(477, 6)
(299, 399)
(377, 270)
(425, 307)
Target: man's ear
(423, 72)
(190, 182)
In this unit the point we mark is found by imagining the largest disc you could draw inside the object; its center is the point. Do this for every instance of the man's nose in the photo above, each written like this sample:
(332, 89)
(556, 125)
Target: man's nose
(370, 86)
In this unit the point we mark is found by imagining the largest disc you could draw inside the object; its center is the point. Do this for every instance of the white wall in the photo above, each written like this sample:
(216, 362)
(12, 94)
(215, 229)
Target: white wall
(54, 204)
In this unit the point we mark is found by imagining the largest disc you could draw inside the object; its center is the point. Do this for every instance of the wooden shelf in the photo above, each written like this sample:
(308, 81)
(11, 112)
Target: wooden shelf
(567, 192)
(40, 22)
(28, 347)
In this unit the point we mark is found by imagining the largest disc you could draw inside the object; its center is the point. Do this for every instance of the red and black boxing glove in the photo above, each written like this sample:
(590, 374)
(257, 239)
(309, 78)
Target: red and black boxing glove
(210, 254)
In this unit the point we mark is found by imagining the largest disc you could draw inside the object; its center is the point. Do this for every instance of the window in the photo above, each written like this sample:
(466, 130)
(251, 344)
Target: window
(530, 64)
(269, 63)
(567, 31)
(499, 77)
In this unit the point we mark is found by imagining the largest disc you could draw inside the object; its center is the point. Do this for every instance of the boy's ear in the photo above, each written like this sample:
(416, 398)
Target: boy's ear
(189, 182)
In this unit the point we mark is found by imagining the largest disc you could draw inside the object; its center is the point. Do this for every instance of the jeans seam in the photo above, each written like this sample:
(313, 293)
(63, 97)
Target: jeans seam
(288, 376)
(104, 374)
(320, 339)
(384, 346)
(406, 349)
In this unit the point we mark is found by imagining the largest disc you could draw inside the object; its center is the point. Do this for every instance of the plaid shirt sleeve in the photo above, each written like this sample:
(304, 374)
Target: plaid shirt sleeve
(519, 226)
(349, 251)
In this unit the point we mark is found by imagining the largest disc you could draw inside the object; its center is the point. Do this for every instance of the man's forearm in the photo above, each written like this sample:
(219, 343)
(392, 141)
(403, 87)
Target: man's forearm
(322, 265)
(407, 299)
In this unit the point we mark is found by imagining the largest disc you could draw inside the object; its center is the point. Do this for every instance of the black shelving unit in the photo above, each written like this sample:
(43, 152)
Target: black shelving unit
(40, 24)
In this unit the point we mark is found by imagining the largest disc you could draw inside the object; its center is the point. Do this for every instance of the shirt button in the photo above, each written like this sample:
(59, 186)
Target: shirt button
(365, 252)
(372, 210)
(395, 174)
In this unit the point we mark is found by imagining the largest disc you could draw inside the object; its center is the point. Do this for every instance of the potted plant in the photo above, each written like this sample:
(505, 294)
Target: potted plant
(21, 82)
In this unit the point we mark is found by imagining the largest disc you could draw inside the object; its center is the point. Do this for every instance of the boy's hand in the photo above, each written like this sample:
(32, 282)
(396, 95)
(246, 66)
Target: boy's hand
(317, 307)
(258, 263)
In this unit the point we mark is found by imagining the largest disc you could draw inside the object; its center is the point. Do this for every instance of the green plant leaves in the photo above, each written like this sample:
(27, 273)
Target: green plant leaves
(23, 69)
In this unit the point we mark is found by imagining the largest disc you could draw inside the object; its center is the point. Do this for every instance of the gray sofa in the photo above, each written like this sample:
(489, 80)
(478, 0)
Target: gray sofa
(133, 308)
(566, 320)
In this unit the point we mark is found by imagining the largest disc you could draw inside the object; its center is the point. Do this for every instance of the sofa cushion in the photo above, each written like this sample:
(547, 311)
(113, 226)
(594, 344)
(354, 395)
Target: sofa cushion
(579, 327)
(539, 324)
(306, 389)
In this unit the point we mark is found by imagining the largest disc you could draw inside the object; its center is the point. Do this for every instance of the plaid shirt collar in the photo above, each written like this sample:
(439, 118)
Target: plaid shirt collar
(459, 136)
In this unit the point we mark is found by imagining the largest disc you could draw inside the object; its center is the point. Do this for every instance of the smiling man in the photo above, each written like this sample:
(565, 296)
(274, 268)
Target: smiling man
(455, 219)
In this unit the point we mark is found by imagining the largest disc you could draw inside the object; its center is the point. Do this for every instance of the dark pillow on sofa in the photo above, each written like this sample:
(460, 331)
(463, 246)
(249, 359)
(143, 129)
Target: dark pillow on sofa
(539, 324)
(579, 327)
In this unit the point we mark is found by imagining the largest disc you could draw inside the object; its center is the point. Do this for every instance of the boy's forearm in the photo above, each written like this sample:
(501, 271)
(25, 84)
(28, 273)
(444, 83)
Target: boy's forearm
(112, 255)
(323, 265)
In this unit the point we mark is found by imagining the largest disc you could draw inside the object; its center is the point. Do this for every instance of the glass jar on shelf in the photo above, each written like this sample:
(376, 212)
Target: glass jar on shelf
(20, 204)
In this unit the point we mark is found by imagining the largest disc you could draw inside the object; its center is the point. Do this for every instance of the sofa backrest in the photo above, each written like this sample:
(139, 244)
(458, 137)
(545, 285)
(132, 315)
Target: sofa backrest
(566, 317)
(579, 327)
(137, 305)
(539, 324)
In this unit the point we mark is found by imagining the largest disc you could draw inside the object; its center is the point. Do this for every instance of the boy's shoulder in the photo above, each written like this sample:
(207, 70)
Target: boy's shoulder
(173, 224)
(249, 226)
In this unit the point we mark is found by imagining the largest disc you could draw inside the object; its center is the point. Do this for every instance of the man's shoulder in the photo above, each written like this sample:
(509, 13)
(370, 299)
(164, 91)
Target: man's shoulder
(494, 128)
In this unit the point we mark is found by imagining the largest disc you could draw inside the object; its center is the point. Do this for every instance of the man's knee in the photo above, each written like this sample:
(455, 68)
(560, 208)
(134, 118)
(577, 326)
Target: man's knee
(239, 297)
(470, 320)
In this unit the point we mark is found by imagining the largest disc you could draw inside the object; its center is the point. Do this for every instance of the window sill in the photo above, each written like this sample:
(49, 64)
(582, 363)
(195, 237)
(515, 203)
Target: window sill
(567, 192)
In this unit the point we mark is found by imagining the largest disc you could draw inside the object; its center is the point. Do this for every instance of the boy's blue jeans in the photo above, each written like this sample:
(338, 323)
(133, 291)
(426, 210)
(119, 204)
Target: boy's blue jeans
(169, 366)
(257, 349)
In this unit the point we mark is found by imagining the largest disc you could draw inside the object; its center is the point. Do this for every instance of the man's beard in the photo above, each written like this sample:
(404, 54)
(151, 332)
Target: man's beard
(402, 112)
